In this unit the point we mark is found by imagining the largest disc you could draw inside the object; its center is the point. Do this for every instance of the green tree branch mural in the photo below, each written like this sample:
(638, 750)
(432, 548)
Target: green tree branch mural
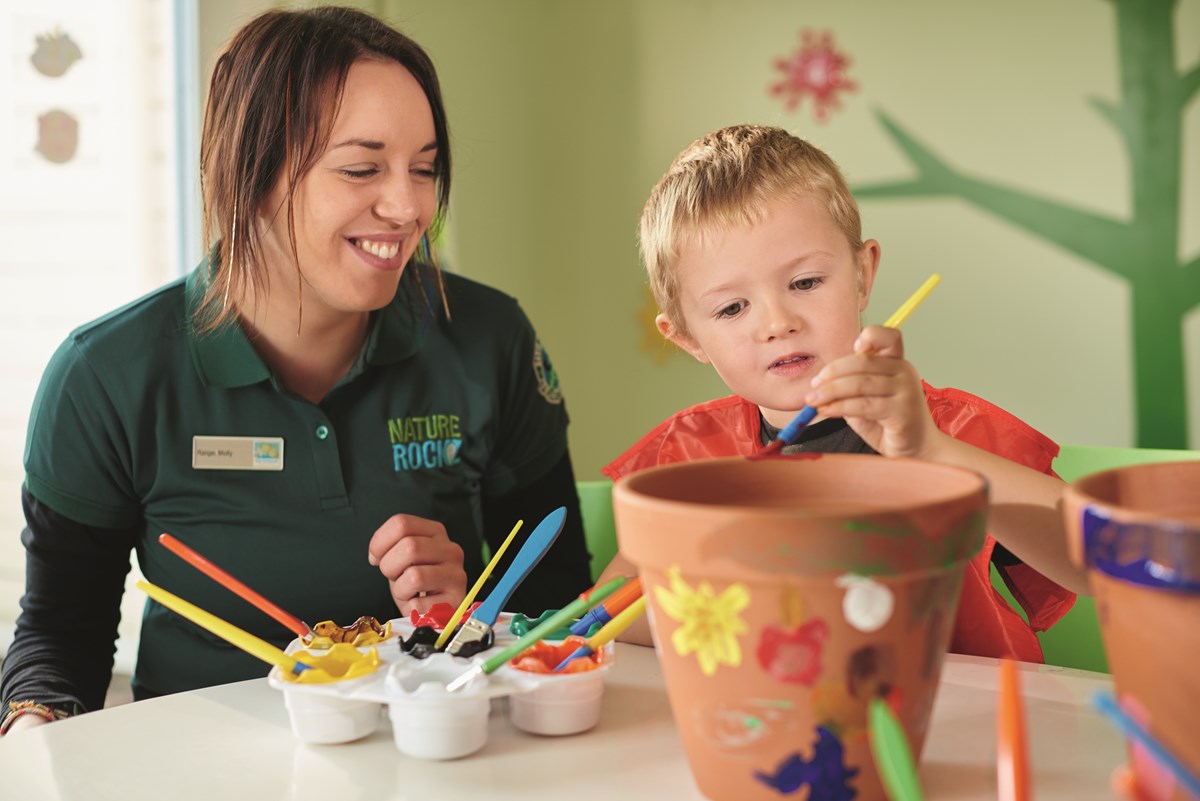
(1143, 250)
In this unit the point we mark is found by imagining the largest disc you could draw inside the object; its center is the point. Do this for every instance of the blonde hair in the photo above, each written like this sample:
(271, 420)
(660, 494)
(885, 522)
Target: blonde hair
(724, 180)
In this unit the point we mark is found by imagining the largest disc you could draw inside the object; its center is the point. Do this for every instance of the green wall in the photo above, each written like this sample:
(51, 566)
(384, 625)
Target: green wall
(563, 116)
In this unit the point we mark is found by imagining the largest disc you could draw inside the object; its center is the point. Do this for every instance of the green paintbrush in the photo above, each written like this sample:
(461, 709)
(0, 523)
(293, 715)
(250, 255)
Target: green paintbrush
(577, 608)
(893, 757)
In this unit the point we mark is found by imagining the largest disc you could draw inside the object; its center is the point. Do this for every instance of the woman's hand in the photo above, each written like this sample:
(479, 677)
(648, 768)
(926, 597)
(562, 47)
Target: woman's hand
(879, 394)
(422, 564)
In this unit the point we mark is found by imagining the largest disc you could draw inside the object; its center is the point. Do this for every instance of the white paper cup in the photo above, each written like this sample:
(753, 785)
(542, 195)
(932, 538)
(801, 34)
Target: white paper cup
(560, 703)
(327, 719)
(427, 721)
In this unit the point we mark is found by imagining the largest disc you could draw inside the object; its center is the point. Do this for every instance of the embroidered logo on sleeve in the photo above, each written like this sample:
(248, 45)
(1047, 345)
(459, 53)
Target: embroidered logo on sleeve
(547, 378)
(426, 442)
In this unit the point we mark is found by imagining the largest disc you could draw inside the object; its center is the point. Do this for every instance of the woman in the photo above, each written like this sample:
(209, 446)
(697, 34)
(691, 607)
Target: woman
(316, 408)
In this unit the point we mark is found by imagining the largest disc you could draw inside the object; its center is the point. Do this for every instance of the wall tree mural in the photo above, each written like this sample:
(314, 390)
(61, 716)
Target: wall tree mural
(1144, 250)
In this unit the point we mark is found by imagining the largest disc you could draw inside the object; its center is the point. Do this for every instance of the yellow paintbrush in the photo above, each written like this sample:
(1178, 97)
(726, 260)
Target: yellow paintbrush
(788, 433)
(343, 661)
(227, 631)
(608, 633)
(466, 603)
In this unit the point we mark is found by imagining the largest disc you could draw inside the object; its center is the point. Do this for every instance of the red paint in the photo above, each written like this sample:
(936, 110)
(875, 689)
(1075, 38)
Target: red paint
(793, 656)
(438, 615)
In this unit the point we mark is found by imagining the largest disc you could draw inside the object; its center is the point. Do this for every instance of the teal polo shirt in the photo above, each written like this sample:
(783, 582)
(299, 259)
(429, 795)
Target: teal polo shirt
(140, 422)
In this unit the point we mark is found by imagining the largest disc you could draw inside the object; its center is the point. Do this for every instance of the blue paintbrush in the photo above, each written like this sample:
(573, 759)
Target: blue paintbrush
(787, 435)
(1134, 731)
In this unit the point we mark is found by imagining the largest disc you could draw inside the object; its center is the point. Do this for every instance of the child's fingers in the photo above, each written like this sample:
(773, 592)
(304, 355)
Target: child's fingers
(854, 385)
(857, 364)
(879, 340)
(866, 407)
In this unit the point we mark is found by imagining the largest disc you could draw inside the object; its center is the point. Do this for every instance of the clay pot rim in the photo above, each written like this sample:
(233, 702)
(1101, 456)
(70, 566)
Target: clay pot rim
(628, 486)
(1078, 491)
(1142, 546)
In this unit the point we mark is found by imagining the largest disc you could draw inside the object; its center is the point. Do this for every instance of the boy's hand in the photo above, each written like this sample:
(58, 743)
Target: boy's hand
(879, 394)
(422, 564)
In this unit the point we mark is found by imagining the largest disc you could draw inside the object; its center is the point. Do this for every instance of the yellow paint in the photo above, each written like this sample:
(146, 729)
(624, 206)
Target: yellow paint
(340, 663)
(361, 633)
(711, 622)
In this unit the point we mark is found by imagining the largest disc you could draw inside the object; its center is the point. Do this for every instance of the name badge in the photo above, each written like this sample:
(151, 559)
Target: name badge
(237, 453)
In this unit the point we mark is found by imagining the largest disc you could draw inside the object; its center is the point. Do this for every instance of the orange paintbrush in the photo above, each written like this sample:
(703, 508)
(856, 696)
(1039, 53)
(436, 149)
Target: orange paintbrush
(176, 547)
(1012, 752)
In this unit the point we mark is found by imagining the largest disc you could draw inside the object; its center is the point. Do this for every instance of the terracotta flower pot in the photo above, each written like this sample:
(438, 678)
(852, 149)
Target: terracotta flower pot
(785, 594)
(1137, 530)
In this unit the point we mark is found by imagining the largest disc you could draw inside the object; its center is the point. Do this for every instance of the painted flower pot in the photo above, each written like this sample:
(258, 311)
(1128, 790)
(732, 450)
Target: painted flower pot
(785, 595)
(1137, 530)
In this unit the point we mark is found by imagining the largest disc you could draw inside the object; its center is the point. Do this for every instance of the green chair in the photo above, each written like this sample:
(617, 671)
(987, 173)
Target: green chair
(1075, 640)
(595, 506)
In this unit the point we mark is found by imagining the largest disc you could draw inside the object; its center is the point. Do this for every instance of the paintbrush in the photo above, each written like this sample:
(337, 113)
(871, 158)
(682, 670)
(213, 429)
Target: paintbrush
(227, 631)
(606, 611)
(892, 754)
(576, 608)
(466, 603)
(1012, 754)
(787, 435)
(1134, 731)
(608, 633)
(302, 629)
(477, 629)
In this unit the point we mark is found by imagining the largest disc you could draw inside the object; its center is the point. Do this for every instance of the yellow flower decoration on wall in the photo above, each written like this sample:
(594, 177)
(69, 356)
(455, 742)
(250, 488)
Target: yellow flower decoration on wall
(655, 344)
(711, 622)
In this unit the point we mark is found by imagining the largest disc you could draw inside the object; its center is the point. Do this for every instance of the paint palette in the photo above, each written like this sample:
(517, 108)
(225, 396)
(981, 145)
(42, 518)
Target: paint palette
(427, 721)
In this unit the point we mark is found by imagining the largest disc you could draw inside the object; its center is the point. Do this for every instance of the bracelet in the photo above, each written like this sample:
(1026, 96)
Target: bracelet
(18, 708)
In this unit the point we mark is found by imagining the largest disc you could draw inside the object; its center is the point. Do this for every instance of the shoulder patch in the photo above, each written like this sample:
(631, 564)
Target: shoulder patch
(547, 378)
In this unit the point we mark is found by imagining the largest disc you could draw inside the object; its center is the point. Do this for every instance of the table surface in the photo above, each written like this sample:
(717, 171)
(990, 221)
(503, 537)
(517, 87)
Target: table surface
(234, 742)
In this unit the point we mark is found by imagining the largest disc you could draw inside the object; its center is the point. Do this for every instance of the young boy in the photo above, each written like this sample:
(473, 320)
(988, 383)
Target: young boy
(753, 245)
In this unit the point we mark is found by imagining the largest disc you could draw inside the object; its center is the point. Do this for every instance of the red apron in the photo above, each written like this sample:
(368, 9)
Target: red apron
(985, 625)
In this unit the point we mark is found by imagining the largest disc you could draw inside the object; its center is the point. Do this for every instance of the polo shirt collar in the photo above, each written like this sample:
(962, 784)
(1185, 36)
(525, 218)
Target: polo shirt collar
(398, 329)
(225, 357)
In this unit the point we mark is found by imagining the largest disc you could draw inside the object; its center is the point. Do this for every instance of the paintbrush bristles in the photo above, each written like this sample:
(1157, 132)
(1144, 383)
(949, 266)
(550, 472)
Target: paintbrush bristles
(470, 596)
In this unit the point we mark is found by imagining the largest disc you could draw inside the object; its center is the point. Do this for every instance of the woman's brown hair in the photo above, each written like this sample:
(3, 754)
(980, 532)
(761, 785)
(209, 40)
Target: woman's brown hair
(272, 100)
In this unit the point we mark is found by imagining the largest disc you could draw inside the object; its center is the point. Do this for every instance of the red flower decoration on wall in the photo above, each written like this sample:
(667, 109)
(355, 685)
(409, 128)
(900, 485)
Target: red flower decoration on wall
(793, 656)
(816, 69)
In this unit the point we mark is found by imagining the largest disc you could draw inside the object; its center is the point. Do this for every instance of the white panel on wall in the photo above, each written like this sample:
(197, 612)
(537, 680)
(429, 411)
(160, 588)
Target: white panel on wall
(86, 225)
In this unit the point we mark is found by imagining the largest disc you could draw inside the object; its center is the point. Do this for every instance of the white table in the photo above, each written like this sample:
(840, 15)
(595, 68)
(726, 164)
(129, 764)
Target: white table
(234, 742)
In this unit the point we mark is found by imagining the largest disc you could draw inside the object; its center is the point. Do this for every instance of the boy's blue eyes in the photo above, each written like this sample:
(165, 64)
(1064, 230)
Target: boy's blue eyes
(801, 284)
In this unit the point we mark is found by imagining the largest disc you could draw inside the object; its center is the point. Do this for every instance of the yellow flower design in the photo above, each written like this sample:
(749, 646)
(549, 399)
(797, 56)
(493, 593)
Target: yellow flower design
(711, 622)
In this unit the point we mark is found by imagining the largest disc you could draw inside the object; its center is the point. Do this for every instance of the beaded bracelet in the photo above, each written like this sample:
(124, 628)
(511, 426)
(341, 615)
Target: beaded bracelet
(18, 708)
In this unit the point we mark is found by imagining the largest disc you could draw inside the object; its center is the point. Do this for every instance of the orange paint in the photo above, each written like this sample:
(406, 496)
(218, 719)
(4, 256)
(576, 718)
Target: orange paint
(544, 656)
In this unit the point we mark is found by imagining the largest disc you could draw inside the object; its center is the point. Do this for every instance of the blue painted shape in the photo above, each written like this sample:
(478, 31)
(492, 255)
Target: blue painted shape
(825, 774)
(1163, 555)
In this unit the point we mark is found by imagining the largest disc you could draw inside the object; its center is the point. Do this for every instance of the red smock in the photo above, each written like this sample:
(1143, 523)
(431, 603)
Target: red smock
(985, 625)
